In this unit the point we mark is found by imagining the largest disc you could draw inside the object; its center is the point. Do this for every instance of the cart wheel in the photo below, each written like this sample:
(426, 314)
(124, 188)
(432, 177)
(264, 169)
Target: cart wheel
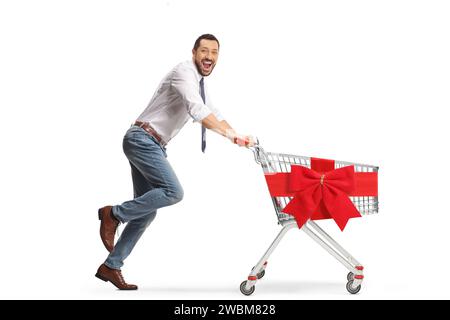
(351, 289)
(244, 291)
(261, 274)
(350, 276)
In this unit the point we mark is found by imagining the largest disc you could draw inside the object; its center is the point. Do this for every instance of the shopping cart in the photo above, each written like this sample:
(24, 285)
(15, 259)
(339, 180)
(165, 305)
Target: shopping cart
(273, 163)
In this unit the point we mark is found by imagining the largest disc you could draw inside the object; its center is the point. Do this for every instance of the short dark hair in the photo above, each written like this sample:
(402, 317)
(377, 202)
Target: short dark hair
(206, 36)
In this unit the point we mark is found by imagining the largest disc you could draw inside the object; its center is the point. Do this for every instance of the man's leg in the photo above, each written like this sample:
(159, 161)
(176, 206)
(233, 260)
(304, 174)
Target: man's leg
(134, 228)
(150, 160)
(146, 155)
(128, 239)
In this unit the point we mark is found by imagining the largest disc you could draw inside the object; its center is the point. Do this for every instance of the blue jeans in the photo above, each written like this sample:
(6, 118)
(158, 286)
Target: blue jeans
(155, 186)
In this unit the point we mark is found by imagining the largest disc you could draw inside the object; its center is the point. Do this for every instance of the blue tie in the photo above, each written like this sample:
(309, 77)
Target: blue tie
(202, 93)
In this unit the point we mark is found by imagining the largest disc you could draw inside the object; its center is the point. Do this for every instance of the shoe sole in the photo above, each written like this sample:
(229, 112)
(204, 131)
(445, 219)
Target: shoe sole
(106, 280)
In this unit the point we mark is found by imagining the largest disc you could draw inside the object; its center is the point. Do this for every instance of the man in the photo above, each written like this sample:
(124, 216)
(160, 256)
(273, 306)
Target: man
(180, 96)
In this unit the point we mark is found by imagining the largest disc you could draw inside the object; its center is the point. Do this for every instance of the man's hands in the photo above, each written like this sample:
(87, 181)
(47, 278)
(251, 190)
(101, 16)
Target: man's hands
(240, 140)
(244, 141)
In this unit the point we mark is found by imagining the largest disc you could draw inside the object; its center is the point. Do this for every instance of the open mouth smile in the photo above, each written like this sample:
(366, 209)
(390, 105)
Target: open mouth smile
(207, 65)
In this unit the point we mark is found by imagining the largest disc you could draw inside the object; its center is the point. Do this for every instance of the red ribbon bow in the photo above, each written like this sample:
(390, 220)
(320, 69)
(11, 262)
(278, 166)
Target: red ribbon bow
(323, 193)
(331, 189)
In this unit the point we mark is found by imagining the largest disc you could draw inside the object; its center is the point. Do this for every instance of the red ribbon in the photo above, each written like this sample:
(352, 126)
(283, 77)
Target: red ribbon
(322, 192)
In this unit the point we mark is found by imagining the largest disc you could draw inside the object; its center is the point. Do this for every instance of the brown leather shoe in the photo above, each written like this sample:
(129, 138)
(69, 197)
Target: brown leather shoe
(108, 226)
(115, 277)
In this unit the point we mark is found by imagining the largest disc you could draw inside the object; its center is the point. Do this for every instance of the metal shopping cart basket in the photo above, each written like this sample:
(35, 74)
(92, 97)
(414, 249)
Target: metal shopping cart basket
(365, 203)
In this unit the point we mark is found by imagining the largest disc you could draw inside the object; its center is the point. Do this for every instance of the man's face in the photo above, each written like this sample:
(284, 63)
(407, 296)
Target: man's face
(205, 57)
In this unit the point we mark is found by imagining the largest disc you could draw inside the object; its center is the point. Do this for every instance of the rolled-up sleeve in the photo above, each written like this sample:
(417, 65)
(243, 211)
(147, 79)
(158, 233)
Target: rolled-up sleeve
(184, 82)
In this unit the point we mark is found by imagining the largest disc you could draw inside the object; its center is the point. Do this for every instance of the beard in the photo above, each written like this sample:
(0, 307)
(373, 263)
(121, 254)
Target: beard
(200, 70)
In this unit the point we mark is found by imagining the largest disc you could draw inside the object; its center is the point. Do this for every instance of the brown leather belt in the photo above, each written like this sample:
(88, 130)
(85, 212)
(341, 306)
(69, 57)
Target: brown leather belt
(148, 128)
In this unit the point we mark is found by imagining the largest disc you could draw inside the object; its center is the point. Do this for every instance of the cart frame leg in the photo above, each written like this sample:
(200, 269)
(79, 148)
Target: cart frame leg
(252, 278)
(320, 237)
(336, 250)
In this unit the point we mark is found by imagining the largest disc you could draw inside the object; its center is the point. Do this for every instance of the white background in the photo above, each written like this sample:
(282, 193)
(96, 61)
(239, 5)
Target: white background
(362, 81)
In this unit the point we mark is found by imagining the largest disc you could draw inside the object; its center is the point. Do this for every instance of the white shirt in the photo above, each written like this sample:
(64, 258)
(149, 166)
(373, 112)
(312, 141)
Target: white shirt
(176, 100)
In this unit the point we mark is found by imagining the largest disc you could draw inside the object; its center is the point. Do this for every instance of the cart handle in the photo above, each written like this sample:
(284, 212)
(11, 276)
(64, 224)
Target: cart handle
(258, 151)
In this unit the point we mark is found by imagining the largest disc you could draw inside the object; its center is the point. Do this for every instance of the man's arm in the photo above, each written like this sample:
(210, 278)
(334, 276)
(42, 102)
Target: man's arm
(223, 128)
